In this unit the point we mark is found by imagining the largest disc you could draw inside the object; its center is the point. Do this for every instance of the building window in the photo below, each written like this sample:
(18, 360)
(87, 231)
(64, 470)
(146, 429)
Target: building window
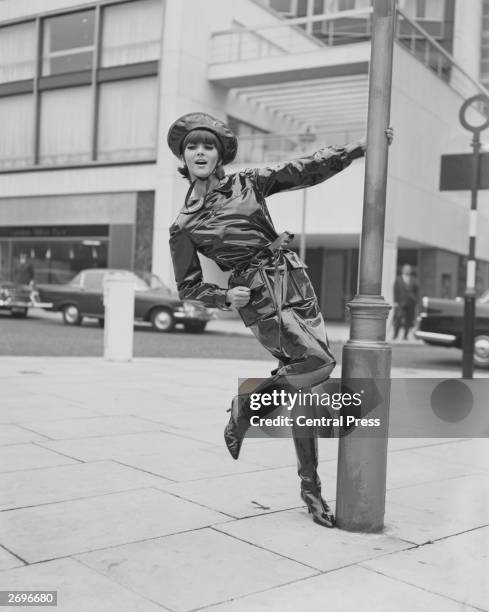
(131, 32)
(66, 116)
(17, 131)
(17, 52)
(430, 10)
(253, 142)
(127, 119)
(68, 43)
(301, 8)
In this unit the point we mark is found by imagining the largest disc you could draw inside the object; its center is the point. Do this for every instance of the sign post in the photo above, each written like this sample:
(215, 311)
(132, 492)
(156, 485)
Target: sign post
(469, 304)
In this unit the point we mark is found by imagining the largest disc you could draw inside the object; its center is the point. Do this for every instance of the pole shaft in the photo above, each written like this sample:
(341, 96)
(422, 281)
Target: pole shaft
(371, 246)
(469, 301)
(362, 460)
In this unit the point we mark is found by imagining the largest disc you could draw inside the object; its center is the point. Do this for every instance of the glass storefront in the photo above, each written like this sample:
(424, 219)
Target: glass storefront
(53, 259)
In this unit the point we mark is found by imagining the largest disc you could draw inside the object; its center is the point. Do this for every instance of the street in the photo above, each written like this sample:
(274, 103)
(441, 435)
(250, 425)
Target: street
(44, 334)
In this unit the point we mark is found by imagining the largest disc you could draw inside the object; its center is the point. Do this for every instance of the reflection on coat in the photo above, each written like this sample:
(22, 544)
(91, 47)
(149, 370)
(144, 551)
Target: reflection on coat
(234, 229)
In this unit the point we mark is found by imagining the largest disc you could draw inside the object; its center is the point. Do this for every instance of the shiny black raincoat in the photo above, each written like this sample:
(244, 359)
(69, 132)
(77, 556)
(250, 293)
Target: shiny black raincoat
(234, 229)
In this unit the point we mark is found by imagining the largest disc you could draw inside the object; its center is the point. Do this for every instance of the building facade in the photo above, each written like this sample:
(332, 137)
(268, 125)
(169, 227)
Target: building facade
(89, 88)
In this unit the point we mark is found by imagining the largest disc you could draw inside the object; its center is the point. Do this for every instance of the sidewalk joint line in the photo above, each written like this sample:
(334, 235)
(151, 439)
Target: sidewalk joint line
(119, 583)
(11, 552)
(417, 586)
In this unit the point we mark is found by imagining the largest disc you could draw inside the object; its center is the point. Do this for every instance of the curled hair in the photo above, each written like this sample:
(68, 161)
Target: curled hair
(183, 170)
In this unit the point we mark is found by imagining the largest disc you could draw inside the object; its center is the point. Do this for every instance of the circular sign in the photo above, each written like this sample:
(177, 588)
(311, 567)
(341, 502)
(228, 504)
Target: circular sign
(484, 100)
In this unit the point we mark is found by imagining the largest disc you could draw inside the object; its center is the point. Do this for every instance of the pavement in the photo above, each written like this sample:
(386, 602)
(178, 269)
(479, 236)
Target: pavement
(338, 331)
(118, 493)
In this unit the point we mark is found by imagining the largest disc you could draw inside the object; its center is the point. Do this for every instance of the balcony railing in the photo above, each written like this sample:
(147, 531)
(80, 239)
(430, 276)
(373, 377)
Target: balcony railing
(290, 36)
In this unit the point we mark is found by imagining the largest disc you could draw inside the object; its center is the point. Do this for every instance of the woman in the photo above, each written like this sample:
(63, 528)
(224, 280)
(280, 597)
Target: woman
(226, 219)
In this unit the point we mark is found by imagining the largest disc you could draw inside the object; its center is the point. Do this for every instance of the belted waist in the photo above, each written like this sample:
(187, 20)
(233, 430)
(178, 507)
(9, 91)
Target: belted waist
(282, 240)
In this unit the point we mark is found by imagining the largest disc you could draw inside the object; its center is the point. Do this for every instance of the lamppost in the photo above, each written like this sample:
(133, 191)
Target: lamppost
(305, 139)
(362, 459)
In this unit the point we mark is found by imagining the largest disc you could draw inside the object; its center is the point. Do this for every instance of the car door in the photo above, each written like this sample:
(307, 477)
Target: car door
(91, 296)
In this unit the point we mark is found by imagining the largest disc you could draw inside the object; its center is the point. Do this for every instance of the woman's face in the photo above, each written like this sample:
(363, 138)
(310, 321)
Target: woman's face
(201, 159)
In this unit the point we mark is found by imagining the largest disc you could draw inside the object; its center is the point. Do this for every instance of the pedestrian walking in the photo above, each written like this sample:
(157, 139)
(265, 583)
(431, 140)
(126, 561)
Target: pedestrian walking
(23, 271)
(405, 302)
(225, 217)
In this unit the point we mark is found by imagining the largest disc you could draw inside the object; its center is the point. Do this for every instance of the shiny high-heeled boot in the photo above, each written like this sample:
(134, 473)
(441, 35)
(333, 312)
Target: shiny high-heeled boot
(238, 425)
(307, 463)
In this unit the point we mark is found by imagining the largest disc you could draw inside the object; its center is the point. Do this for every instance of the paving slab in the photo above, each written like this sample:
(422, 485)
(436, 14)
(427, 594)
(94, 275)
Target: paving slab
(191, 570)
(29, 456)
(121, 447)
(263, 452)
(275, 452)
(453, 567)
(89, 427)
(248, 494)
(55, 484)
(436, 510)
(294, 535)
(400, 472)
(208, 433)
(45, 407)
(66, 528)
(178, 465)
(80, 589)
(113, 400)
(8, 561)
(473, 453)
(346, 590)
(13, 434)
(399, 444)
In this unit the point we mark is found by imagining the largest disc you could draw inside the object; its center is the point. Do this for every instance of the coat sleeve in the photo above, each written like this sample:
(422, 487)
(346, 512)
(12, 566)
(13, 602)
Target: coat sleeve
(305, 171)
(188, 272)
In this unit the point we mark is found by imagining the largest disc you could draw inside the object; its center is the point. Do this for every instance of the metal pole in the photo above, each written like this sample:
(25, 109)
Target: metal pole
(469, 303)
(362, 460)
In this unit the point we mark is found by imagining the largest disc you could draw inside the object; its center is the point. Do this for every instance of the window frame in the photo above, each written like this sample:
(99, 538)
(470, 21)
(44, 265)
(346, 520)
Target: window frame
(92, 77)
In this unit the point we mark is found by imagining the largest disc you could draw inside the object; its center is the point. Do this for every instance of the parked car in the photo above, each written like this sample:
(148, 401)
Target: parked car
(83, 297)
(17, 298)
(441, 324)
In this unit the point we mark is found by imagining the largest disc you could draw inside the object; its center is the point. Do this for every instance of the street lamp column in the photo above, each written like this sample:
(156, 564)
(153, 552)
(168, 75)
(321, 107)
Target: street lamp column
(362, 459)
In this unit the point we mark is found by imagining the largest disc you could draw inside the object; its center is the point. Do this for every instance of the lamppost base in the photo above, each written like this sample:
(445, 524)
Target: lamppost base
(362, 458)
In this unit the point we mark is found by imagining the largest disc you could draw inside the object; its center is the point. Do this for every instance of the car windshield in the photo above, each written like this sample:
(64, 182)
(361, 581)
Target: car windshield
(484, 298)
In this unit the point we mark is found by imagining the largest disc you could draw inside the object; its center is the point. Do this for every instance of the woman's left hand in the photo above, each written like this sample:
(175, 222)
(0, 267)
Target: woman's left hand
(389, 134)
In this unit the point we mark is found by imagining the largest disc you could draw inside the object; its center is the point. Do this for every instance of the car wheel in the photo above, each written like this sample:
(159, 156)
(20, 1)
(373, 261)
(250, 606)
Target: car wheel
(481, 351)
(162, 320)
(71, 315)
(196, 327)
(20, 313)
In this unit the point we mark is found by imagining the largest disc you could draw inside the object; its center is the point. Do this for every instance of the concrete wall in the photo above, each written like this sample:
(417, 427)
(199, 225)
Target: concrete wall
(435, 267)
(467, 35)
